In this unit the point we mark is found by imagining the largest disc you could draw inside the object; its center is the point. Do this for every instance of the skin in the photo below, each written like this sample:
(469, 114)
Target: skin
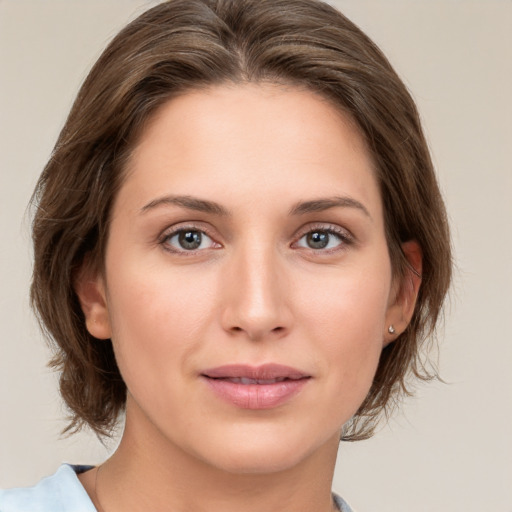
(254, 292)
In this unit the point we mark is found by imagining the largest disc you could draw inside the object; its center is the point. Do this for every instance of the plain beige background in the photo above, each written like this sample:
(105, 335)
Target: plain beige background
(450, 449)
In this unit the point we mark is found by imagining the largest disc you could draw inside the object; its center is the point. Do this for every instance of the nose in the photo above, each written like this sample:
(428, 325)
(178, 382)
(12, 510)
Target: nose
(256, 301)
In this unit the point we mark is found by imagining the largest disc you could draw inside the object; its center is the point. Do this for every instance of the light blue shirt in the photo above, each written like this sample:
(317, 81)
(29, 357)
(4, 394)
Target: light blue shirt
(63, 492)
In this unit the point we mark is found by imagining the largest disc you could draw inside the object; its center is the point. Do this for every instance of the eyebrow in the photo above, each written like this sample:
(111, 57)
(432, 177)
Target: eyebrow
(188, 202)
(301, 208)
(320, 205)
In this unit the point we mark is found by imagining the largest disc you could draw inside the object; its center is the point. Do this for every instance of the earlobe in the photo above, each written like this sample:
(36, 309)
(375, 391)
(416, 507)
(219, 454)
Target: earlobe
(401, 308)
(90, 289)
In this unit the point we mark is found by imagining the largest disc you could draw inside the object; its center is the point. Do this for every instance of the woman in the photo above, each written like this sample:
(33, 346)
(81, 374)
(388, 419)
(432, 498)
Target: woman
(239, 244)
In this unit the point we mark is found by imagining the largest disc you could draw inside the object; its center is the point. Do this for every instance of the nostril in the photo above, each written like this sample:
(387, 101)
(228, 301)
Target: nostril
(257, 334)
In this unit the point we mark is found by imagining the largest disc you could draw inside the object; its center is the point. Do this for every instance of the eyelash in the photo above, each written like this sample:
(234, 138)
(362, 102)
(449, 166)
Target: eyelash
(176, 231)
(345, 238)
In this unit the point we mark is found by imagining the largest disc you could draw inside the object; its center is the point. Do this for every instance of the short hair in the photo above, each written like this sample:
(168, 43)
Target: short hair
(183, 45)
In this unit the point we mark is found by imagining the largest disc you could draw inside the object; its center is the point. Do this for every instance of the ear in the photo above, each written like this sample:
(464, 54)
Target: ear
(90, 289)
(403, 300)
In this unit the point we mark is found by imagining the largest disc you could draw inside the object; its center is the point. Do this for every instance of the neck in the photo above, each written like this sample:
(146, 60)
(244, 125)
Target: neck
(148, 472)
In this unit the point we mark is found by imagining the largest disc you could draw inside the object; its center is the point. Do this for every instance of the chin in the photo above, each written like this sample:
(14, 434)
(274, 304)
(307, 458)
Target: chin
(257, 453)
(258, 462)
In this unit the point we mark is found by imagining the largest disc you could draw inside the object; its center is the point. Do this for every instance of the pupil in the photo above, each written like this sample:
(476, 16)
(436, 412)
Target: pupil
(190, 239)
(318, 239)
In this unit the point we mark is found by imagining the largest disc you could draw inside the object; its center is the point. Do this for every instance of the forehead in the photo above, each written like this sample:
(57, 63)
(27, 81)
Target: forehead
(251, 138)
(260, 108)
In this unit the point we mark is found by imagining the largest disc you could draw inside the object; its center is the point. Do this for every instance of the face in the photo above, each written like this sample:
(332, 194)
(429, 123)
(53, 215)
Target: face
(248, 287)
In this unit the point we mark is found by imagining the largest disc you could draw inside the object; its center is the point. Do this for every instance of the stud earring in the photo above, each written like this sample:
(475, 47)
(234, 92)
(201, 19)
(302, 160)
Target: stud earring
(391, 329)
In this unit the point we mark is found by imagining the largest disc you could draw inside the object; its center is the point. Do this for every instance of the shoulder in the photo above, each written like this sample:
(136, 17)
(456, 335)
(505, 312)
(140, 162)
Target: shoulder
(340, 503)
(61, 492)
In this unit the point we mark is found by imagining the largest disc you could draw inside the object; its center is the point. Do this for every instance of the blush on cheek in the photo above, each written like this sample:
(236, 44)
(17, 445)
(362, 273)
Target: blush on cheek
(351, 332)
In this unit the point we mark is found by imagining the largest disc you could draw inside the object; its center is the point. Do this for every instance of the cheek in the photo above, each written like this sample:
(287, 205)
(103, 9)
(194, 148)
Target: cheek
(157, 319)
(352, 304)
(346, 318)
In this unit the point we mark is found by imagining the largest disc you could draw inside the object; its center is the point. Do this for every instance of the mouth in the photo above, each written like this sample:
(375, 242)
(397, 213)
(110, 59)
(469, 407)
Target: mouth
(267, 372)
(247, 380)
(250, 387)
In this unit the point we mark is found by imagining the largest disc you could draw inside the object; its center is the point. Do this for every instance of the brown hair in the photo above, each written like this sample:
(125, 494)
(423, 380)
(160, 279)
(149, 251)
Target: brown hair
(183, 44)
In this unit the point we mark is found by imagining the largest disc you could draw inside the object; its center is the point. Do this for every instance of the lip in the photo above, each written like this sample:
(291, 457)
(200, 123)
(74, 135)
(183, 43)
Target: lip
(255, 387)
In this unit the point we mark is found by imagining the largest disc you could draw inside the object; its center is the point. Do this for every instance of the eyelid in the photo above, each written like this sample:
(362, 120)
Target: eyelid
(173, 230)
(347, 238)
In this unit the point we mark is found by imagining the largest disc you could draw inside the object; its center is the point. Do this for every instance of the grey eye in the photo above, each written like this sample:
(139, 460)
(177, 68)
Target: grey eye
(190, 240)
(318, 239)
(184, 240)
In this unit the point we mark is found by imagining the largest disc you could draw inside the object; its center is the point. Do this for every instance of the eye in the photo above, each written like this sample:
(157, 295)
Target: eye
(323, 239)
(187, 240)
